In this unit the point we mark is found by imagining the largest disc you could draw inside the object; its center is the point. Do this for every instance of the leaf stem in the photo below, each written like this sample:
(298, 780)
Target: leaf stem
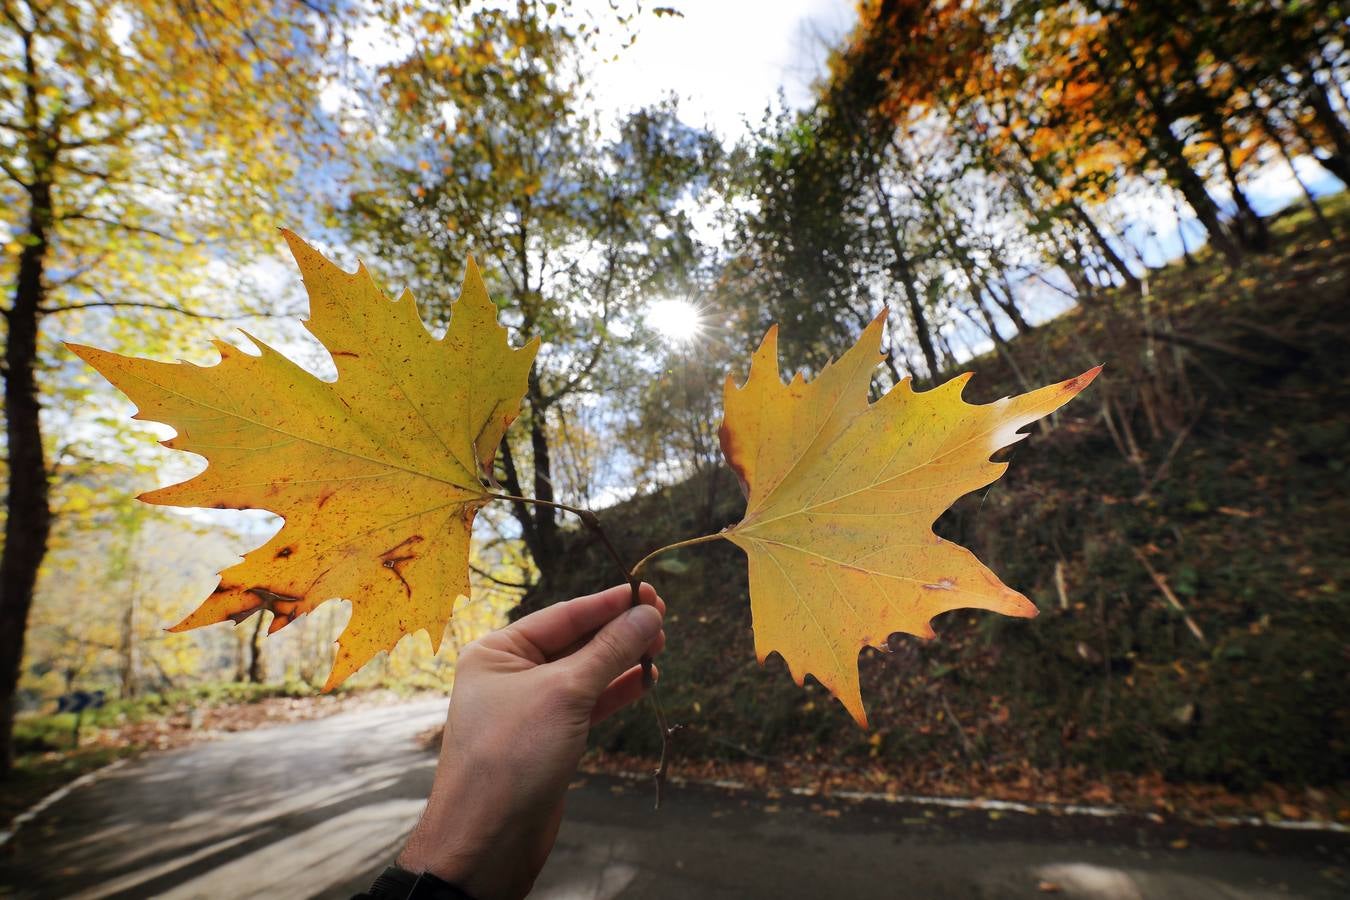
(701, 539)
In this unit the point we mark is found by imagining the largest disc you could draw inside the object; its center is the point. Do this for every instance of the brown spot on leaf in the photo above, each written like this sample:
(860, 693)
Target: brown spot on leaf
(273, 600)
(1077, 383)
(394, 558)
(285, 552)
(346, 353)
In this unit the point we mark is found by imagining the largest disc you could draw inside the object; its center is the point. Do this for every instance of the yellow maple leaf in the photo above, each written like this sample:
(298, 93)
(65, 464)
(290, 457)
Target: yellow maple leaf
(841, 498)
(378, 474)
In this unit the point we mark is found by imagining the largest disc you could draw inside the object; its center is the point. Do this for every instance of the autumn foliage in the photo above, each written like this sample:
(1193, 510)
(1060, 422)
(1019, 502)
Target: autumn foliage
(972, 168)
(379, 473)
(842, 496)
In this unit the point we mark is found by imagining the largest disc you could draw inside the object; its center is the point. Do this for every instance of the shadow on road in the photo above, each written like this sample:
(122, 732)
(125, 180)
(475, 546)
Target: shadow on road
(291, 811)
(315, 809)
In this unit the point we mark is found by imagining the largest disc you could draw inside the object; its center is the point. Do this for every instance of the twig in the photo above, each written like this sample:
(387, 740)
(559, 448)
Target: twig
(483, 573)
(956, 723)
(1199, 343)
(1161, 581)
(1270, 334)
(1060, 587)
(1166, 463)
(112, 304)
(592, 521)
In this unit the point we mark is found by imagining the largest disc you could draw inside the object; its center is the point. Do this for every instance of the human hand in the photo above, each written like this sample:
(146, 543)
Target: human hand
(524, 699)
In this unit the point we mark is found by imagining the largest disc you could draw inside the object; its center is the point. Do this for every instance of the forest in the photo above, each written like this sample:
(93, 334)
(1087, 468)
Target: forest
(1026, 188)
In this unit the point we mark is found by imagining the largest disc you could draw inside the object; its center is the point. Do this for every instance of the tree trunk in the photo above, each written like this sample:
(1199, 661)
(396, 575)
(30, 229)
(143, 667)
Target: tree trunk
(240, 659)
(130, 646)
(28, 523)
(1181, 233)
(521, 510)
(1108, 252)
(1248, 228)
(904, 273)
(1251, 228)
(545, 517)
(538, 523)
(1167, 149)
(255, 651)
(1338, 162)
(1273, 133)
(1000, 345)
(1057, 242)
(967, 264)
(1006, 298)
(128, 666)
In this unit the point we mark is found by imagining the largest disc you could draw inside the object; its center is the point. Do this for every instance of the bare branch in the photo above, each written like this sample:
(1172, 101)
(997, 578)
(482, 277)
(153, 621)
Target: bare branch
(136, 229)
(601, 344)
(12, 173)
(162, 307)
(516, 585)
(80, 271)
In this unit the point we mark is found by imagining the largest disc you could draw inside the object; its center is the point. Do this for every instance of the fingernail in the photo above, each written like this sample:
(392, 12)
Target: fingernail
(646, 620)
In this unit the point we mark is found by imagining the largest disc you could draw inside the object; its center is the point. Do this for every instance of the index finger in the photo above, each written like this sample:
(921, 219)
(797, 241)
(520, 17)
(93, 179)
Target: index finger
(555, 628)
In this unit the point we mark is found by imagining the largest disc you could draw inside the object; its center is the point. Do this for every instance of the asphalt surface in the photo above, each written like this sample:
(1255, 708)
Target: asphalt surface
(315, 809)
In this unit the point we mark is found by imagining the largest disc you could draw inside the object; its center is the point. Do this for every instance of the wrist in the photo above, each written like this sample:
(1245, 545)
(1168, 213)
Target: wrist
(398, 883)
(439, 851)
(456, 836)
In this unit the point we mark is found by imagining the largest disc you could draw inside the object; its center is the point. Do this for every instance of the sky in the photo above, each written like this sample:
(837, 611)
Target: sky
(726, 60)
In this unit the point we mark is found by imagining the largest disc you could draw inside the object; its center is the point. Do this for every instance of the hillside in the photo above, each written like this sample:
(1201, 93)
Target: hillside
(1180, 527)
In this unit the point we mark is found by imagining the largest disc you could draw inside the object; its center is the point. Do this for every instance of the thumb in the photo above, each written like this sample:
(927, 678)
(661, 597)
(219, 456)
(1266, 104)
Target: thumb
(615, 648)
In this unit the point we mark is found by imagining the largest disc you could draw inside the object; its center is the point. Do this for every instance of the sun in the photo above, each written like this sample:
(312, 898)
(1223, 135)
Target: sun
(675, 320)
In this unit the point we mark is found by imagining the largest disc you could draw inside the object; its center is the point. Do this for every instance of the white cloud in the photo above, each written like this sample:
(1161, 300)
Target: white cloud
(725, 61)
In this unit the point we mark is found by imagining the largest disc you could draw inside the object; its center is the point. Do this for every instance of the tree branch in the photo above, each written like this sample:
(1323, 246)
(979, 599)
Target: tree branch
(162, 307)
(135, 229)
(516, 585)
(12, 173)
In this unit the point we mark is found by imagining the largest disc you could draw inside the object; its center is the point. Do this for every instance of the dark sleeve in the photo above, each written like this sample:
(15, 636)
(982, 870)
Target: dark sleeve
(400, 884)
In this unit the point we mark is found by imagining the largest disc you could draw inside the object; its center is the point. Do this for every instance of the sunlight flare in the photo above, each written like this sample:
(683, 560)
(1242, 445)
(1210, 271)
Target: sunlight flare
(675, 320)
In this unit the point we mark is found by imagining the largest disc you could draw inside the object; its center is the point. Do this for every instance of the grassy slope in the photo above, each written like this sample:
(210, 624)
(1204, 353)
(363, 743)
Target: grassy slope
(1245, 522)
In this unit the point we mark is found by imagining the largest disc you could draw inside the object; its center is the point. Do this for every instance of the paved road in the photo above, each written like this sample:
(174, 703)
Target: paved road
(313, 809)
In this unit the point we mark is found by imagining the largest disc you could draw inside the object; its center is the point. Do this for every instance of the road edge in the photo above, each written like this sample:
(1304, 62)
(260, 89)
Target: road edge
(55, 796)
(1322, 826)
